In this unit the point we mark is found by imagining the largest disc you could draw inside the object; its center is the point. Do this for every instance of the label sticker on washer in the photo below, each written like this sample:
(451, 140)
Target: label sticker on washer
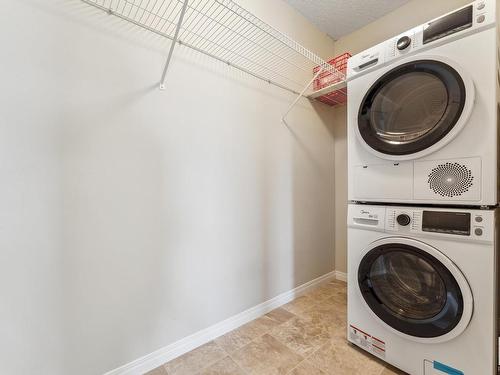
(378, 347)
(446, 369)
(366, 341)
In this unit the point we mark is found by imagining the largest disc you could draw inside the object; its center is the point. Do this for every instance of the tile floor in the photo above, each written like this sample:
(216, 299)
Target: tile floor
(305, 337)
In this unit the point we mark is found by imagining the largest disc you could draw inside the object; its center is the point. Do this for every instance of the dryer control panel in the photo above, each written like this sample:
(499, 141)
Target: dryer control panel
(464, 21)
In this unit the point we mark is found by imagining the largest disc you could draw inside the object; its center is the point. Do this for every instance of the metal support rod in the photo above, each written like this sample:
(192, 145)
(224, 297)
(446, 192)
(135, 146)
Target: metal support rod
(283, 119)
(172, 46)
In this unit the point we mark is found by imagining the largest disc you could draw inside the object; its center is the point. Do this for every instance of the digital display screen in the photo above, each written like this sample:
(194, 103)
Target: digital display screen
(446, 222)
(447, 25)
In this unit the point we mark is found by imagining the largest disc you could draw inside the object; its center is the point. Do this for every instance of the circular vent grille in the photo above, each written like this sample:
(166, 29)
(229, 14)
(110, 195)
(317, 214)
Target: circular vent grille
(450, 179)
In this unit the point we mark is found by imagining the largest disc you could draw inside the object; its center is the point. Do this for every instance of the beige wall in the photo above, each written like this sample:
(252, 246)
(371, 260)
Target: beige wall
(133, 217)
(412, 14)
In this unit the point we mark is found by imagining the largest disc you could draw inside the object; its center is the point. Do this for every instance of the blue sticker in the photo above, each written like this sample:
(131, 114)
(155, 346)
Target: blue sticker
(447, 369)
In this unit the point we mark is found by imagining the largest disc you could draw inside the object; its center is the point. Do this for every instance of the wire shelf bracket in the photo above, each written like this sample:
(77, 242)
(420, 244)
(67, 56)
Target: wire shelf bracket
(299, 96)
(225, 31)
(172, 45)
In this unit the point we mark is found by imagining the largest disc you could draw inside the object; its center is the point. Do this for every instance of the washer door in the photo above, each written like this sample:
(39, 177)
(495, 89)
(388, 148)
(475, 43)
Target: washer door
(415, 108)
(415, 290)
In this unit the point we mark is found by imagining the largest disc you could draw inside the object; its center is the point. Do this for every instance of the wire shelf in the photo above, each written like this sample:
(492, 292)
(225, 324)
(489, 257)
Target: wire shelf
(224, 30)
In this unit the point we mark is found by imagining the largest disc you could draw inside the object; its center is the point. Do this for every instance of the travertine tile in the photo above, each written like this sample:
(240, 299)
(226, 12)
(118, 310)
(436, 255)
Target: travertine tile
(389, 370)
(299, 305)
(338, 357)
(280, 315)
(196, 360)
(340, 299)
(337, 302)
(335, 285)
(321, 292)
(312, 326)
(328, 312)
(339, 284)
(240, 337)
(331, 305)
(157, 371)
(225, 366)
(266, 356)
(336, 290)
(306, 368)
(335, 323)
(302, 336)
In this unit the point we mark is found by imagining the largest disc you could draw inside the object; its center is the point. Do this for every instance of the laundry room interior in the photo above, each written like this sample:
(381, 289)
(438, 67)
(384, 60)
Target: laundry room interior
(249, 187)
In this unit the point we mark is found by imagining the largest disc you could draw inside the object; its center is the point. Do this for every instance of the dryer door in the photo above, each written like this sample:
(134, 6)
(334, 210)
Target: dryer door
(415, 290)
(415, 108)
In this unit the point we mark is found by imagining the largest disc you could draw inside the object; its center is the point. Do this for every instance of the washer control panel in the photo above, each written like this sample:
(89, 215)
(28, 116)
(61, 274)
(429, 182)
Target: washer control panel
(456, 223)
(403, 220)
(468, 224)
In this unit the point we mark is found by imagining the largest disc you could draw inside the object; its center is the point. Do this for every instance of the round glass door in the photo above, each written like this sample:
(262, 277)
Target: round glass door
(411, 290)
(412, 107)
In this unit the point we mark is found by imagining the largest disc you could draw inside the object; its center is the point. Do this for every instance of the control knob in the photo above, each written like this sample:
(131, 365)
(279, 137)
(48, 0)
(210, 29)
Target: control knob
(403, 220)
(403, 43)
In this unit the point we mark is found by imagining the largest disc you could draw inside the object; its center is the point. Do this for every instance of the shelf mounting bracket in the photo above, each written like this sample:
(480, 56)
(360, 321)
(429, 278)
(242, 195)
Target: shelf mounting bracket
(283, 118)
(175, 39)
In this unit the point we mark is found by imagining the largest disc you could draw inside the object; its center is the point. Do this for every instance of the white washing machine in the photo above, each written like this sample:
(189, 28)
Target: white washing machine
(422, 113)
(422, 287)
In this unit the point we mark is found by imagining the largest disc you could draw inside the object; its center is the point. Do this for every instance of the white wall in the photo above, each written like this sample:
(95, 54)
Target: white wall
(132, 217)
(409, 15)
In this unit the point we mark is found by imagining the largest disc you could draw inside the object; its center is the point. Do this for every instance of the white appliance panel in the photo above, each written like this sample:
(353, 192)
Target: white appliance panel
(474, 349)
(384, 181)
(448, 180)
(477, 139)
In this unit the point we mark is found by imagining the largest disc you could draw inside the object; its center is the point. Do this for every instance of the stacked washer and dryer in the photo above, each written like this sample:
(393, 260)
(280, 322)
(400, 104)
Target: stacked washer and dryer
(422, 217)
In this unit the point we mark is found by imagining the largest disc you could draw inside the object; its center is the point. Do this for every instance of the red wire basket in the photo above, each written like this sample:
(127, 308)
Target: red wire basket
(326, 79)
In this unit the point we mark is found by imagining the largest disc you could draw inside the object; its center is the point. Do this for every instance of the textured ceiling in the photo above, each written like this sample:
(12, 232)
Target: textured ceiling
(341, 17)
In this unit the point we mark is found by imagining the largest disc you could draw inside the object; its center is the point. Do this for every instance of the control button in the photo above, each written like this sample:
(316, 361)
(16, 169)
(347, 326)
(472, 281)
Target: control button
(404, 42)
(480, 6)
(479, 219)
(478, 231)
(403, 220)
(481, 18)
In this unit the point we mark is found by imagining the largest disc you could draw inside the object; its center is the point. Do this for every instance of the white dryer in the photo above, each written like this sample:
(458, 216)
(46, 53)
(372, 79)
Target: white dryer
(422, 287)
(422, 113)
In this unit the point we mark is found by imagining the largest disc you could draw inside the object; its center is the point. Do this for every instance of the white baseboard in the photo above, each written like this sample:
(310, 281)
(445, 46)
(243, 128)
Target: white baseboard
(342, 276)
(176, 349)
